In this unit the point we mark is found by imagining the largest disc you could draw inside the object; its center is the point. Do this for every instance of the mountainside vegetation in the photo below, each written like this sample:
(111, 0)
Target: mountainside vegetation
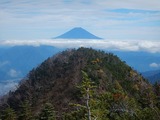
(82, 84)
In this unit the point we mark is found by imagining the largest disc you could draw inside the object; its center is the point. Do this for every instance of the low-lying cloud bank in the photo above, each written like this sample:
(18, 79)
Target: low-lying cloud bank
(154, 65)
(7, 86)
(152, 46)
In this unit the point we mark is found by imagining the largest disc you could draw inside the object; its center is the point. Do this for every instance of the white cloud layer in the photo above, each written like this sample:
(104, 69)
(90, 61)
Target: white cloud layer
(121, 45)
(6, 86)
(13, 73)
(154, 65)
(3, 63)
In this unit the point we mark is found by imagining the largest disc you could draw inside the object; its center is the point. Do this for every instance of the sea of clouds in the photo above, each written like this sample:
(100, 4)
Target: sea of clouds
(151, 46)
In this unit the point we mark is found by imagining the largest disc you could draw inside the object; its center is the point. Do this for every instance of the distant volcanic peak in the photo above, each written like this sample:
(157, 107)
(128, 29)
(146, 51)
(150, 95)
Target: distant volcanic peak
(77, 33)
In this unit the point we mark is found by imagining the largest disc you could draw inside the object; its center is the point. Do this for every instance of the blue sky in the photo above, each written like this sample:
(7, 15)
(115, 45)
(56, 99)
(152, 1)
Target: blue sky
(125, 21)
(111, 19)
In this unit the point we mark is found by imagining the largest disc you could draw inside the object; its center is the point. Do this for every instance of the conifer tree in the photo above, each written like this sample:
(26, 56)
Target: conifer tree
(87, 91)
(83, 111)
(47, 112)
(26, 113)
(9, 114)
(157, 92)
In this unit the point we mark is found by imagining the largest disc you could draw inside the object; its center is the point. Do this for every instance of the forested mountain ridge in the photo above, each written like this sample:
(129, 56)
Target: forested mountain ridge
(116, 90)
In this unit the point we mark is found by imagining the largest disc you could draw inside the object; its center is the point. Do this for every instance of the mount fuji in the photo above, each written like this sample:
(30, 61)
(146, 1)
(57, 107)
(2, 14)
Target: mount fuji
(77, 33)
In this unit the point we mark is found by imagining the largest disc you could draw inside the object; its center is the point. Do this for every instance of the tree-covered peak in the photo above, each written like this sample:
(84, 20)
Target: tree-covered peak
(72, 78)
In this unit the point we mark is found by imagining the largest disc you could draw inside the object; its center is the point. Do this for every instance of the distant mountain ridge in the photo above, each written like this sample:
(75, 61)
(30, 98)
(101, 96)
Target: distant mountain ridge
(77, 33)
(15, 63)
(22, 59)
(152, 76)
(139, 60)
